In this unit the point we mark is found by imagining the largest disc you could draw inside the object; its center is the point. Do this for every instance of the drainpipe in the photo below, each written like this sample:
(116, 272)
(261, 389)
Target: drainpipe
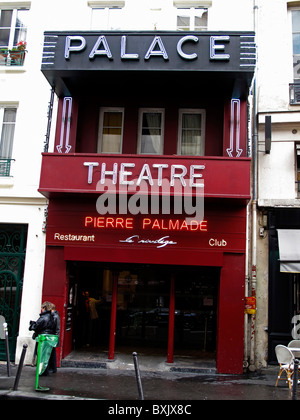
(254, 203)
(246, 359)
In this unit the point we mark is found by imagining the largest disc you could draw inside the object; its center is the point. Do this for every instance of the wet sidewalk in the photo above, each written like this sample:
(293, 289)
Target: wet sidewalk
(185, 380)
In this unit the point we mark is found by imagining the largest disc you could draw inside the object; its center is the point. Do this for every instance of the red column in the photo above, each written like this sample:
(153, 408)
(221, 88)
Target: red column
(113, 318)
(170, 358)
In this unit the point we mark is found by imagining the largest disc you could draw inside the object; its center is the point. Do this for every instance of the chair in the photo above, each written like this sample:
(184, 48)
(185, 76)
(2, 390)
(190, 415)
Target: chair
(295, 343)
(285, 359)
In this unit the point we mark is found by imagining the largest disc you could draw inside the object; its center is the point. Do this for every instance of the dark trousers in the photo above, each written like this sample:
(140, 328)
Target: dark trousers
(52, 365)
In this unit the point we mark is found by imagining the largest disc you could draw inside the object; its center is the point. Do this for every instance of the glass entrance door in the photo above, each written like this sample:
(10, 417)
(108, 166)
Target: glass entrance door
(143, 308)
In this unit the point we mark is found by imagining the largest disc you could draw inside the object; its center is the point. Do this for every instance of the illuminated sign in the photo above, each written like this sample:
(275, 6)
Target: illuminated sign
(146, 224)
(81, 226)
(159, 243)
(125, 173)
(77, 44)
(216, 51)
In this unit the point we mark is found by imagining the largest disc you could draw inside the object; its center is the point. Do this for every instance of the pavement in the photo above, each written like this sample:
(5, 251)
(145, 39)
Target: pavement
(93, 377)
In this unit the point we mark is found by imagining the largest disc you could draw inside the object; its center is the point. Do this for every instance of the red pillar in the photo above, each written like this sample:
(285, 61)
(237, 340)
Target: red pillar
(170, 358)
(113, 318)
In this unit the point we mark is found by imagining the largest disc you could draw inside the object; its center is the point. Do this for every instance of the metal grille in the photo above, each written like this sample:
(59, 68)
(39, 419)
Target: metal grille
(12, 259)
(294, 93)
(5, 165)
(12, 58)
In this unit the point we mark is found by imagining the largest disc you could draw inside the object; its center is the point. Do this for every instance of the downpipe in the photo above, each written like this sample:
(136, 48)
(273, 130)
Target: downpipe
(252, 366)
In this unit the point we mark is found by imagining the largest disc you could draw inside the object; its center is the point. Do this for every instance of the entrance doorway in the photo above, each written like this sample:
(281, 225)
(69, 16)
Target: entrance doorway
(143, 298)
(13, 240)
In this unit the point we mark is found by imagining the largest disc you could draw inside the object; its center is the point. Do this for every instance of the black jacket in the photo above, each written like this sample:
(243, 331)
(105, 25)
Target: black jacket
(44, 325)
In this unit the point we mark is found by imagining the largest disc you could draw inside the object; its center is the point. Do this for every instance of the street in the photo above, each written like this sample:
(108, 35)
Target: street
(121, 385)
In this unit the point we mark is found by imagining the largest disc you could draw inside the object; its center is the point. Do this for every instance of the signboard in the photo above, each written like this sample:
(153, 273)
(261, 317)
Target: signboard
(140, 51)
(84, 227)
(88, 173)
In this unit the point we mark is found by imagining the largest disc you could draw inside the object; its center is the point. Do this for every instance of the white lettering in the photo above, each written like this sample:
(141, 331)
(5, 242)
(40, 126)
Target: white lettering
(114, 173)
(74, 48)
(74, 238)
(179, 176)
(130, 411)
(161, 243)
(90, 165)
(160, 167)
(153, 51)
(216, 242)
(124, 55)
(101, 41)
(181, 42)
(147, 177)
(218, 47)
(193, 175)
(123, 174)
(77, 43)
(169, 409)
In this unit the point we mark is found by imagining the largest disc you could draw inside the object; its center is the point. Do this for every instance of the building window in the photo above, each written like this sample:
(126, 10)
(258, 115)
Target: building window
(13, 33)
(151, 131)
(13, 27)
(191, 141)
(7, 125)
(191, 18)
(111, 130)
(296, 43)
(107, 17)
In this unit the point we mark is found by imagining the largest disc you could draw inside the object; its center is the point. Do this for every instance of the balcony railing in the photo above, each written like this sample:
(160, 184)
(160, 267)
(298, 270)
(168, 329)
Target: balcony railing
(12, 58)
(5, 165)
(295, 93)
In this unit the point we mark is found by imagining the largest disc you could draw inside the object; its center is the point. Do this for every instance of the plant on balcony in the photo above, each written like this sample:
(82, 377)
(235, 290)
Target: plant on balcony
(17, 53)
(21, 46)
(4, 52)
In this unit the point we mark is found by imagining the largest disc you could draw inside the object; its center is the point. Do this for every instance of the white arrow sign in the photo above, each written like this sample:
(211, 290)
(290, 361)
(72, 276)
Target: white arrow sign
(67, 103)
(235, 114)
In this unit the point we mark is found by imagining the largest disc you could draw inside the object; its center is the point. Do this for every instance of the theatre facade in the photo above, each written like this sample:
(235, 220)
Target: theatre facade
(148, 185)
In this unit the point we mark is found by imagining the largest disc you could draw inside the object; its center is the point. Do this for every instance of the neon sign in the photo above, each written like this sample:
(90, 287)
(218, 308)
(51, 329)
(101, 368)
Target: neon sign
(146, 224)
(109, 222)
(160, 243)
(77, 44)
(124, 174)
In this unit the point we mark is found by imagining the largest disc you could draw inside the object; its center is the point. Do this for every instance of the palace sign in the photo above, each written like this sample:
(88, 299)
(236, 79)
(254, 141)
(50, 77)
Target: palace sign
(130, 51)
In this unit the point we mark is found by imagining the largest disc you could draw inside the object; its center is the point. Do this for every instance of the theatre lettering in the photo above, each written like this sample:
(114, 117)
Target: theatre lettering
(124, 174)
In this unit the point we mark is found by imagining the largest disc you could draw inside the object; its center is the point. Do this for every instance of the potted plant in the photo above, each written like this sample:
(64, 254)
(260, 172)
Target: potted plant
(4, 52)
(17, 53)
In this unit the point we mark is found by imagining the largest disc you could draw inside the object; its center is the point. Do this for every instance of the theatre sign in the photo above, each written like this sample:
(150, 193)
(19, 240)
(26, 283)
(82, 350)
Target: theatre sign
(163, 51)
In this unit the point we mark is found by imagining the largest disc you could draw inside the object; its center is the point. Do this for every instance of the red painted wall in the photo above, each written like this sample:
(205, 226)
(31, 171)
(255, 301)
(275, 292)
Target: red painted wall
(85, 121)
(55, 287)
(230, 338)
